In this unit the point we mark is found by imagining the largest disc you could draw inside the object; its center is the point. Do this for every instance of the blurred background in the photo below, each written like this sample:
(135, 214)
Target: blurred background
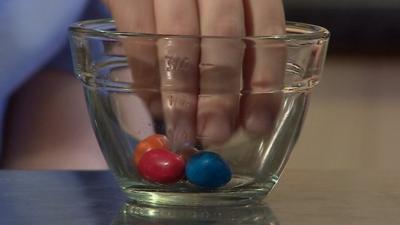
(353, 118)
(352, 121)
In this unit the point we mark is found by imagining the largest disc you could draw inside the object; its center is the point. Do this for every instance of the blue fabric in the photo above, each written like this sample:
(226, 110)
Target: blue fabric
(63, 60)
(32, 33)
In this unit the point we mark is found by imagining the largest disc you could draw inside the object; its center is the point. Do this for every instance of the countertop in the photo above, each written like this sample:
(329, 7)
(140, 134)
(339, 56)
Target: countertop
(301, 198)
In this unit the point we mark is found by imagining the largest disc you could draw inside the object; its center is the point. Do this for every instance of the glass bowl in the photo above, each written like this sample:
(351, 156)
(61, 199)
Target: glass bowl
(197, 120)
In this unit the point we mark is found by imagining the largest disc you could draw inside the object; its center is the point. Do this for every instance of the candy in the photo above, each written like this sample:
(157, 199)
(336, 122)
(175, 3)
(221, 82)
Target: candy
(208, 170)
(161, 166)
(155, 141)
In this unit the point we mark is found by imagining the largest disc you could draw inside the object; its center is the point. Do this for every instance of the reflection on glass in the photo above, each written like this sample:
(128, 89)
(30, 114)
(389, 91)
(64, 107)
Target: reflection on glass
(135, 214)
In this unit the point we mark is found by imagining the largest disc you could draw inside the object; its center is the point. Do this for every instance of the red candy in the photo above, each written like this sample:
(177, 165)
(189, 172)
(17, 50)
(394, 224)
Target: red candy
(161, 166)
(155, 141)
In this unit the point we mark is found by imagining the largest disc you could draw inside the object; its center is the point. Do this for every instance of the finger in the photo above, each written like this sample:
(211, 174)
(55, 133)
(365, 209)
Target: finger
(132, 109)
(264, 66)
(141, 53)
(220, 69)
(178, 58)
(138, 16)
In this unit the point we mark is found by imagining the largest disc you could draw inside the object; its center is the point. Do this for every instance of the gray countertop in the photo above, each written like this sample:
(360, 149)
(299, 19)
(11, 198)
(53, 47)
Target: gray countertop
(302, 197)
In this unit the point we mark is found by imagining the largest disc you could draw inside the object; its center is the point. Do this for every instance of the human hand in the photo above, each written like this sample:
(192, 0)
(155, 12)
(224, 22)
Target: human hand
(201, 79)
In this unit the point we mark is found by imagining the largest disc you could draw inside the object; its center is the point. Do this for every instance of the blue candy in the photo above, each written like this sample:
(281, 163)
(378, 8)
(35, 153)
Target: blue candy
(208, 170)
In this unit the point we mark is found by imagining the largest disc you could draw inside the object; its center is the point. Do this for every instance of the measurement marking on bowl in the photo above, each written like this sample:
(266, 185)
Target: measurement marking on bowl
(176, 64)
(174, 101)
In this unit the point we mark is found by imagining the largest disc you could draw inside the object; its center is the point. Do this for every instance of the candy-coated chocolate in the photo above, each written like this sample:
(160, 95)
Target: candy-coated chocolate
(208, 170)
(161, 166)
(155, 141)
(187, 153)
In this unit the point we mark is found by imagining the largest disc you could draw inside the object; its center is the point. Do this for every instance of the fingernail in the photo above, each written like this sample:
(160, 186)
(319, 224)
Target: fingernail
(215, 129)
(183, 134)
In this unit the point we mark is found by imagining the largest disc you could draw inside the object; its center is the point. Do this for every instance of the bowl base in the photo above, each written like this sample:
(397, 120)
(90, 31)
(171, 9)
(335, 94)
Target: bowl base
(234, 197)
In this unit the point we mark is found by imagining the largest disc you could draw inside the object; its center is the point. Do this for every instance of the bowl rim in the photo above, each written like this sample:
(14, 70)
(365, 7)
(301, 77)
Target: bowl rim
(294, 31)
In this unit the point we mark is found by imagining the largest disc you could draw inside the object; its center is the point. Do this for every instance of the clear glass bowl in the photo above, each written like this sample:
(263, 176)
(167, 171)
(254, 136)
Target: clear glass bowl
(197, 120)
